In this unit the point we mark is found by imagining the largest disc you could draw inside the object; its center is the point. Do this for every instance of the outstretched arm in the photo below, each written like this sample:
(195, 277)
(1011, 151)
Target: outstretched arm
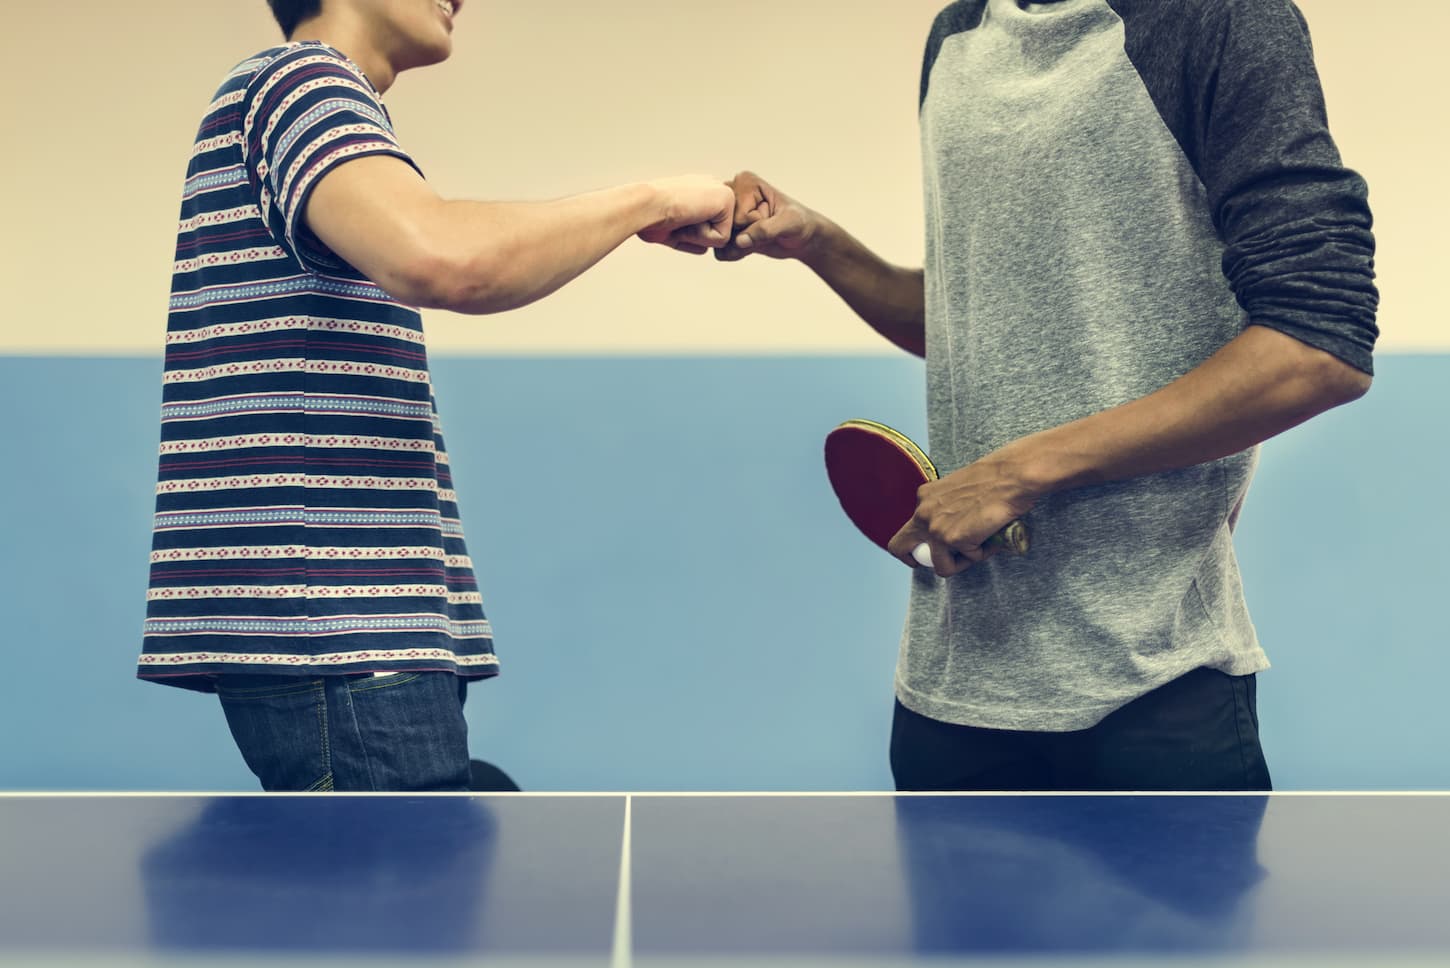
(378, 214)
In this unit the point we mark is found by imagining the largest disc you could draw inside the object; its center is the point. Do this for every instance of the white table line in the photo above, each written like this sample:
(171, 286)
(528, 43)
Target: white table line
(623, 955)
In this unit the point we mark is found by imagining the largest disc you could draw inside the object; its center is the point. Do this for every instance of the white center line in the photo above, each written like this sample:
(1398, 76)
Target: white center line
(623, 956)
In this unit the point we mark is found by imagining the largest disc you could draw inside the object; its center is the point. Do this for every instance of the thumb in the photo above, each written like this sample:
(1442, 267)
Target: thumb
(759, 232)
(757, 235)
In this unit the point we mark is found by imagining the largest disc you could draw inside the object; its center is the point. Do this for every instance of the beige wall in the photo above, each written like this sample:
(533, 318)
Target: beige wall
(101, 98)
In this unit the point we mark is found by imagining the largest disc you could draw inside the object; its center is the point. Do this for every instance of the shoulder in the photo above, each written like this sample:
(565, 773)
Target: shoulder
(1209, 33)
(963, 15)
(260, 63)
(298, 61)
(301, 76)
(1271, 19)
(1207, 16)
(957, 18)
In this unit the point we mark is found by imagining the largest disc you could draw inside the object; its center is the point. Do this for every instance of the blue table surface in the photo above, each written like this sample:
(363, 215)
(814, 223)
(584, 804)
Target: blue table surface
(738, 880)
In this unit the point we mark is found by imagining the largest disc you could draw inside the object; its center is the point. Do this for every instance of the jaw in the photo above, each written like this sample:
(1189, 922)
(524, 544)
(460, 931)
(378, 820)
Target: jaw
(419, 38)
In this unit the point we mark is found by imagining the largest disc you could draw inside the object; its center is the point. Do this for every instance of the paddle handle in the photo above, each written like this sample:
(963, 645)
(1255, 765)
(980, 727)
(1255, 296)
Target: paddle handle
(1012, 538)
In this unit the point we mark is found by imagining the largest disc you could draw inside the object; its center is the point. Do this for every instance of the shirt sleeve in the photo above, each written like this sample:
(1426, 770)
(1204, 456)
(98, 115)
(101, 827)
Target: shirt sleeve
(307, 111)
(1296, 224)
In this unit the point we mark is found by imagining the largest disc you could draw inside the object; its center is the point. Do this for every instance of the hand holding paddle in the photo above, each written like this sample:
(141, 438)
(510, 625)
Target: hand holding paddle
(876, 473)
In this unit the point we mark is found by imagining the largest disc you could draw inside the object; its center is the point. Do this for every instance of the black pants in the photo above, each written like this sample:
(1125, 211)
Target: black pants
(1198, 732)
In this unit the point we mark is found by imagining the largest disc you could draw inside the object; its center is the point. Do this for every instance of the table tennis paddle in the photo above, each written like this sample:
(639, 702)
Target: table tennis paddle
(876, 471)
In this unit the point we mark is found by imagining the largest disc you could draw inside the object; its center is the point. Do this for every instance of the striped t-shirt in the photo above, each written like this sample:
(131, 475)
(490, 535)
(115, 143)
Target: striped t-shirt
(305, 517)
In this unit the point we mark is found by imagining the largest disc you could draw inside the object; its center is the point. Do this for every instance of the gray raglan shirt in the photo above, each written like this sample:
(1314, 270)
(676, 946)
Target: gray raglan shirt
(1114, 190)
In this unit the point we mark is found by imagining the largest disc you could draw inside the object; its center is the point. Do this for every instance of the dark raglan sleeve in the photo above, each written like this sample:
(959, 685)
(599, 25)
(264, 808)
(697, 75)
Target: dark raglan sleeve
(958, 17)
(1239, 88)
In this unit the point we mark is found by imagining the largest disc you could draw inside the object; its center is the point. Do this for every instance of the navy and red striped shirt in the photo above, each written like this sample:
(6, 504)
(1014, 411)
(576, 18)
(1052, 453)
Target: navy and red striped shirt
(305, 517)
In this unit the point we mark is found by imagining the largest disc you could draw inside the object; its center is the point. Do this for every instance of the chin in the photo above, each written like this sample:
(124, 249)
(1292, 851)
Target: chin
(425, 55)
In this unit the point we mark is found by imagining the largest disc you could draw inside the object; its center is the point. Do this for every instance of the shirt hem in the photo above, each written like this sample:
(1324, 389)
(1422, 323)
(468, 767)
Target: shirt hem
(1011, 716)
(202, 677)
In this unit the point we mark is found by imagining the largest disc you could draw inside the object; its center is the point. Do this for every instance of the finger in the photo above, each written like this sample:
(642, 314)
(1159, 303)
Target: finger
(703, 234)
(678, 240)
(946, 562)
(759, 233)
(759, 213)
(903, 544)
(723, 224)
(749, 195)
(990, 551)
(737, 249)
(965, 557)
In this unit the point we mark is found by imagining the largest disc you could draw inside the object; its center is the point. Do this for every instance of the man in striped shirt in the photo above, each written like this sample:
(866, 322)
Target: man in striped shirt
(308, 560)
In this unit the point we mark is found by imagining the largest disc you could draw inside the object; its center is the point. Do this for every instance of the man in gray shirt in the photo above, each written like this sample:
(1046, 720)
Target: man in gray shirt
(1143, 257)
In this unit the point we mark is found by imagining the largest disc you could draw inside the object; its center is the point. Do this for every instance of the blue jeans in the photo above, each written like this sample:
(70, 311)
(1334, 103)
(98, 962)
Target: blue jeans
(402, 732)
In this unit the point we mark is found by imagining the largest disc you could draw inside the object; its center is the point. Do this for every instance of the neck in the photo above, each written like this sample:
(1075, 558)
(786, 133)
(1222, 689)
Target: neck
(342, 29)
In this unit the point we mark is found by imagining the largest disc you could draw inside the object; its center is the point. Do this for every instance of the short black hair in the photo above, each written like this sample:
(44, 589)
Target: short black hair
(290, 13)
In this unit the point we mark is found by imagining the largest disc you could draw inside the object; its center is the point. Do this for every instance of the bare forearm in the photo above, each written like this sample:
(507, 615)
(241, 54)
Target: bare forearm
(1258, 385)
(379, 216)
(502, 255)
(891, 299)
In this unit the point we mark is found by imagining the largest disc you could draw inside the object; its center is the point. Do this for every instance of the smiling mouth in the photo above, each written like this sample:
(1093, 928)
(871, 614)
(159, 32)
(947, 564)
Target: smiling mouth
(448, 8)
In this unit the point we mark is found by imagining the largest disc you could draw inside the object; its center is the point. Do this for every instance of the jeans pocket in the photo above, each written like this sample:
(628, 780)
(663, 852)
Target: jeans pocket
(410, 729)
(281, 729)
(391, 680)
(247, 688)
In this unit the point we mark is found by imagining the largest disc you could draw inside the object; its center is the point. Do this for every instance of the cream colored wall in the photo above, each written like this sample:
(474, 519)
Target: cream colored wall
(101, 99)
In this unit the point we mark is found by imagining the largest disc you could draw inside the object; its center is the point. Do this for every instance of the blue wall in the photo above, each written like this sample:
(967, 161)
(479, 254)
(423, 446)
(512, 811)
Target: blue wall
(678, 601)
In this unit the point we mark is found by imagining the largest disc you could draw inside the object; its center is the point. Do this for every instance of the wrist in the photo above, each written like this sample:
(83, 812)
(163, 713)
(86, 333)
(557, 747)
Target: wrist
(645, 203)
(820, 241)
(1041, 464)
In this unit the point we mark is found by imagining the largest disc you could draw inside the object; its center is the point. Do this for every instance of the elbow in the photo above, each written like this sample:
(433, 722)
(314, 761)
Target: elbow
(419, 278)
(1338, 382)
(461, 283)
(1354, 383)
(1321, 380)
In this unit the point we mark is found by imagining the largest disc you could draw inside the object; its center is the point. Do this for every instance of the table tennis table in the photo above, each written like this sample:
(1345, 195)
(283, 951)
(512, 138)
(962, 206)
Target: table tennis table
(699, 881)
